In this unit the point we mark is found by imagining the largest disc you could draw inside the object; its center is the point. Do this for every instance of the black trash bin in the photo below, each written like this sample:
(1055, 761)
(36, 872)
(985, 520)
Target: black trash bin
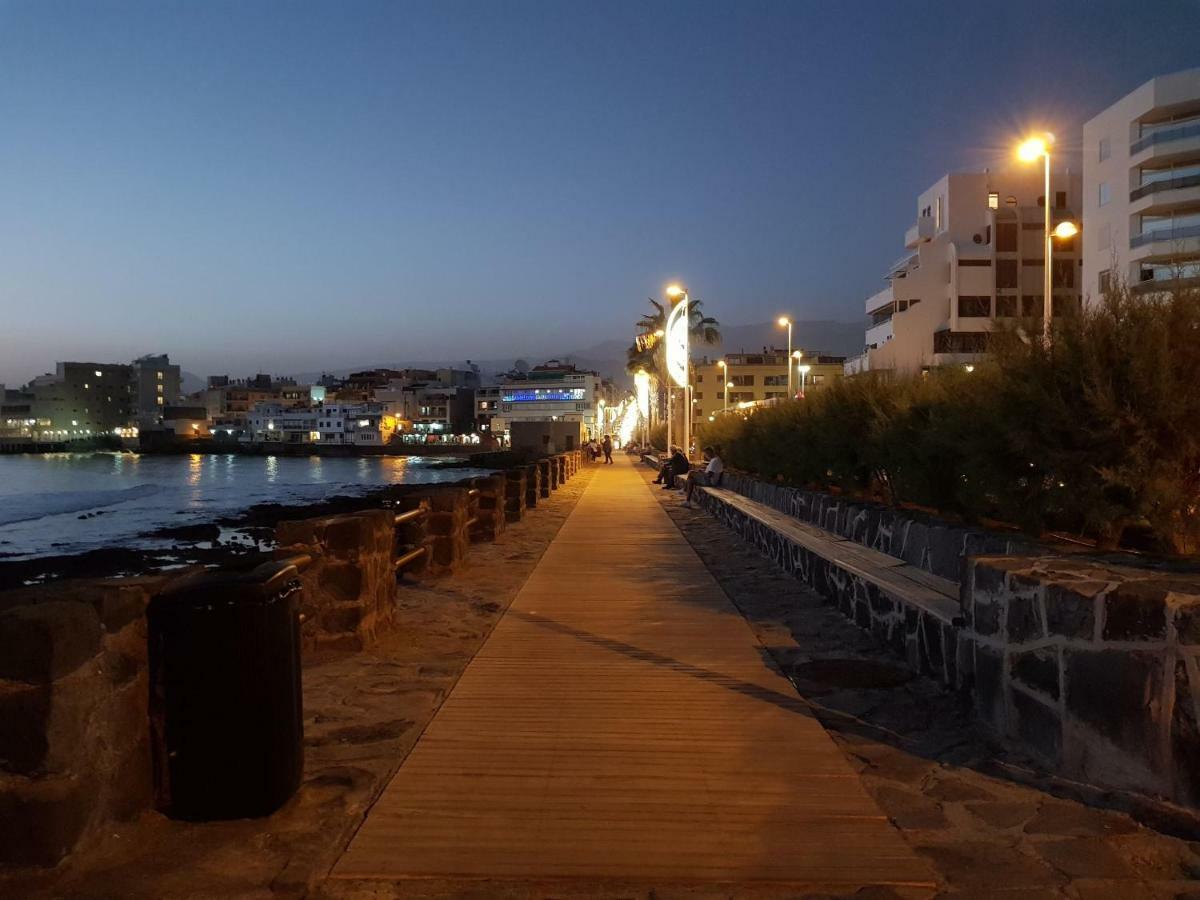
(225, 702)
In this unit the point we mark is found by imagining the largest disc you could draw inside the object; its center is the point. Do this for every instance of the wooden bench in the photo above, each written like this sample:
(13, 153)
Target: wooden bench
(894, 577)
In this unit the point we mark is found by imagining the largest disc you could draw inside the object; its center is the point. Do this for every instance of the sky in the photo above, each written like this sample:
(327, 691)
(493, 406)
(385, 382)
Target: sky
(281, 187)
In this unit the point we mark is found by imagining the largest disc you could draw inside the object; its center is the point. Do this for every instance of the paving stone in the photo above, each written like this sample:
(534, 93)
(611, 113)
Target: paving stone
(910, 810)
(1062, 818)
(1004, 814)
(1079, 857)
(956, 788)
(980, 864)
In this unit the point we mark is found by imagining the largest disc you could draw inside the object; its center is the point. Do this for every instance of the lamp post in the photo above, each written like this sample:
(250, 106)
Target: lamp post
(724, 367)
(728, 388)
(785, 321)
(1031, 150)
(678, 324)
(803, 370)
(797, 355)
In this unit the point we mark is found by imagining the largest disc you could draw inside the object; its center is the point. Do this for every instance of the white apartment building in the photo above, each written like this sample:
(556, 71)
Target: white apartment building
(1141, 176)
(975, 256)
(551, 392)
(356, 424)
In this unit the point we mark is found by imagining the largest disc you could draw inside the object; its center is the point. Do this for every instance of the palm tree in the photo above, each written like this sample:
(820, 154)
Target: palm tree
(646, 352)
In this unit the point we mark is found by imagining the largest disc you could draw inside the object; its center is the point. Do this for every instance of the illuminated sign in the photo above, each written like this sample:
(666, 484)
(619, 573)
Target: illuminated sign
(642, 381)
(531, 395)
(677, 343)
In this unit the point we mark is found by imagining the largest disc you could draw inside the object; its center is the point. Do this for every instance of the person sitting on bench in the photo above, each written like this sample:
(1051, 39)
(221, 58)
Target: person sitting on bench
(710, 475)
(676, 467)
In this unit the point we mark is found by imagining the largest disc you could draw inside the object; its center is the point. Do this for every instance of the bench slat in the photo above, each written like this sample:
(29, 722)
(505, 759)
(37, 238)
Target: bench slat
(888, 573)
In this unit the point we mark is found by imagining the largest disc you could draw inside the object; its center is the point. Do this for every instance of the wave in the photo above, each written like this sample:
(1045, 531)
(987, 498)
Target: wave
(33, 506)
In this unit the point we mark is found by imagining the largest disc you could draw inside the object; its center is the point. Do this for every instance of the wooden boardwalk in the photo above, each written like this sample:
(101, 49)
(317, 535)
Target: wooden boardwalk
(621, 723)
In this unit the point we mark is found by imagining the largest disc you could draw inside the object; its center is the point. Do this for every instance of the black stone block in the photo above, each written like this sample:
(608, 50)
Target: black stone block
(1037, 669)
(1118, 693)
(916, 544)
(1187, 623)
(990, 686)
(945, 552)
(1038, 727)
(932, 657)
(1136, 611)
(1024, 619)
(1069, 613)
(950, 638)
(985, 616)
(988, 579)
(1185, 737)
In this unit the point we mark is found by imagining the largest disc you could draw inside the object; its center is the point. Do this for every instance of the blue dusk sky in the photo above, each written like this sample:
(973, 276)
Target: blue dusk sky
(290, 186)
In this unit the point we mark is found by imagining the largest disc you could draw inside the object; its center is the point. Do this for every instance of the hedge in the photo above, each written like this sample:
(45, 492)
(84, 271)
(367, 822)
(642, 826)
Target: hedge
(1099, 433)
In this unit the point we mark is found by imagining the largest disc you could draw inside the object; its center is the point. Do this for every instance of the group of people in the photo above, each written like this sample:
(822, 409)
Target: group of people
(677, 466)
(594, 448)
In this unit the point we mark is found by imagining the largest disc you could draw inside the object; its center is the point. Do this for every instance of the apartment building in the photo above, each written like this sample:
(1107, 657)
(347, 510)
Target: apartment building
(756, 377)
(155, 386)
(82, 400)
(974, 256)
(553, 391)
(1141, 176)
(355, 424)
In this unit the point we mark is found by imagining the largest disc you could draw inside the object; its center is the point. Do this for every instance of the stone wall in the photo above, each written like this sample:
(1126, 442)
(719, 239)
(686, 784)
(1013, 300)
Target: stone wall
(350, 587)
(1093, 666)
(74, 732)
(928, 543)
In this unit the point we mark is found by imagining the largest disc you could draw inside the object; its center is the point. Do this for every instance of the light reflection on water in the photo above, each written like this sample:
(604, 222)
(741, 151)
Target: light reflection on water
(69, 502)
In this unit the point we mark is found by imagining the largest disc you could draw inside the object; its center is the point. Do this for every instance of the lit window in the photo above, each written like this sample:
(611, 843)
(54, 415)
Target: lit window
(99, 374)
(160, 376)
(993, 200)
(1105, 193)
(160, 400)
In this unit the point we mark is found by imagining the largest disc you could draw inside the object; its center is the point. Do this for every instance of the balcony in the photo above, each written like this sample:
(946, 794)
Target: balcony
(1165, 136)
(1169, 235)
(1167, 184)
(922, 231)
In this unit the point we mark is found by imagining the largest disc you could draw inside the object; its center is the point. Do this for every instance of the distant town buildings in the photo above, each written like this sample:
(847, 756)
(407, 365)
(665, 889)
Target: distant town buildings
(975, 256)
(757, 377)
(552, 392)
(1141, 174)
(156, 385)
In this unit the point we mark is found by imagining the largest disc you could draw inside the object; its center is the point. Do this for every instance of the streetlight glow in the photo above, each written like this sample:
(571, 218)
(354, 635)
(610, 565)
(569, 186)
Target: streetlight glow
(675, 290)
(1032, 149)
(784, 321)
(1066, 230)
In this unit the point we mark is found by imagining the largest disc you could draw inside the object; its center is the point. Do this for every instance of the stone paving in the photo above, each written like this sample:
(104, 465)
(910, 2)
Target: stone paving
(991, 824)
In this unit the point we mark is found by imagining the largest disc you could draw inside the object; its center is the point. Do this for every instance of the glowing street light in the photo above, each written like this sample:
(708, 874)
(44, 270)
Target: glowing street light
(1065, 230)
(785, 322)
(728, 388)
(678, 356)
(803, 370)
(1031, 150)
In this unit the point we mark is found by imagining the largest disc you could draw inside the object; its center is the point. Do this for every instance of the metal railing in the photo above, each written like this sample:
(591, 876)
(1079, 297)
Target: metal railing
(1167, 184)
(1165, 135)
(1165, 234)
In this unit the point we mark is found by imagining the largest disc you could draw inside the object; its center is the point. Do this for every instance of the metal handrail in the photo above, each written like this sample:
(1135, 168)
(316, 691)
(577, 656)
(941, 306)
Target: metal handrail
(410, 556)
(1167, 184)
(1165, 234)
(301, 561)
(411, 515)
(1163, 136)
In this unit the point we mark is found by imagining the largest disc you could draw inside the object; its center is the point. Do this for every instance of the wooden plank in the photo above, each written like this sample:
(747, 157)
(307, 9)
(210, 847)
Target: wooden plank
(621, 722)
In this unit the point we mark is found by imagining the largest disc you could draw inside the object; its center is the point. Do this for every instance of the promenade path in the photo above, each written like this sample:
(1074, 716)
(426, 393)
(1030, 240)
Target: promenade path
(622, 723)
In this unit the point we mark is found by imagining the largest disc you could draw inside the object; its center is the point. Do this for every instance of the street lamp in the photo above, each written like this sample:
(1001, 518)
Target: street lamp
(728, 388)
(678, 322)
(1030, 150)
(797, 355)
(784, 321)
(804, 370)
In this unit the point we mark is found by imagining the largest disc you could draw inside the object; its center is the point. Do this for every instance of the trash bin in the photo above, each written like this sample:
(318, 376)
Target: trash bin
(225, 702)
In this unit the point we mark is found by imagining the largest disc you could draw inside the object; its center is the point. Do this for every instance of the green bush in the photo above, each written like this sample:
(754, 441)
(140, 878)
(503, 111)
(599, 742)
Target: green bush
(1096, 433)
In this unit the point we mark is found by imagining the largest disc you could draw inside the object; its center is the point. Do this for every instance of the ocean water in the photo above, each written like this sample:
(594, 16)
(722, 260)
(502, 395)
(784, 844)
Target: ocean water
(60, 503)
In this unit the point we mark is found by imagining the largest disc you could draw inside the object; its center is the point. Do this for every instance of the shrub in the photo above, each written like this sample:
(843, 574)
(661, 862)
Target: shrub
(1098, 432)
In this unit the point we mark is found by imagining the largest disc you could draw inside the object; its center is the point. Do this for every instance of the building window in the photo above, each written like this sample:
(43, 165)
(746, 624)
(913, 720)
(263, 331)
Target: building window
(938, 216)
(742, 380)
(1006, 237)
(974, 263)
(1105, 149)
(1006, 307)
(1006, 273)
(698, 395)
(720, 395)
(974, 307)
(1031, 306)
(1060, 199)
(1063, 272)
(1105, 193)
(993, 200)
(1041, 201)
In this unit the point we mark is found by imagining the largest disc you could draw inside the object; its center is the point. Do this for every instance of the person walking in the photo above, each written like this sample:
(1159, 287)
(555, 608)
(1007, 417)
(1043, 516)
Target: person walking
(607, 447)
